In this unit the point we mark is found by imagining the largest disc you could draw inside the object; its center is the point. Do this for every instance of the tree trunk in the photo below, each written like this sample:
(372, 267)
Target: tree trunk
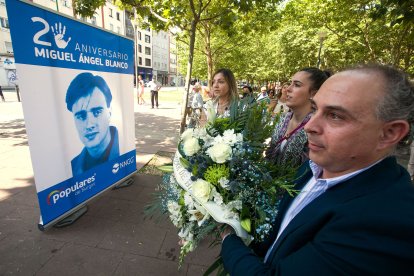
(188, 76)
(209, 55)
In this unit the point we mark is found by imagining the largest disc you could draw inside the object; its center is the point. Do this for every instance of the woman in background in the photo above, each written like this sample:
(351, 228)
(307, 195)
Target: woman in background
(288, 146)
(225, 92)
(141, 87)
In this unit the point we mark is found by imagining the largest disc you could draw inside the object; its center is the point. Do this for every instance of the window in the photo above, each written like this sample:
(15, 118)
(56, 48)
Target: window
(118, 17)
(147, 62)
(139, 48)
(4, 22)
(65, 3)
(93, 20)
(9, 47)
(147, 39)
(111, 27)
(110, 12)
(147, 50)
(3, 2)
(140, 60)
(139, 35)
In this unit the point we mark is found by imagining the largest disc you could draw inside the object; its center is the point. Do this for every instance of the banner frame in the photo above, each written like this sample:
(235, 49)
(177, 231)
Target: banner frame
(42, 227)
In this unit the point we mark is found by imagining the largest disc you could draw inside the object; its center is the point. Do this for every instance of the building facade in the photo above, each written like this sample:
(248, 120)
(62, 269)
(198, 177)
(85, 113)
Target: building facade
(7, 65)
(160, 56)
(155, 51)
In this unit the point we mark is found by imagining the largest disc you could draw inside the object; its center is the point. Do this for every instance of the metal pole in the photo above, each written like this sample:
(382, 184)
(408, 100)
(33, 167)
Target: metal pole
(176, 62)
(136, 48)
(319, 54)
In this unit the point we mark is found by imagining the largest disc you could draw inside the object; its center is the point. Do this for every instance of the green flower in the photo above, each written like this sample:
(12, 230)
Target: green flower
(215, 172)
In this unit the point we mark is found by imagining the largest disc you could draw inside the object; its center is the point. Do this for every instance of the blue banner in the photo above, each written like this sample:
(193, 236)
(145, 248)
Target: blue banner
(48, 39)
(76, 83)
(64, 196)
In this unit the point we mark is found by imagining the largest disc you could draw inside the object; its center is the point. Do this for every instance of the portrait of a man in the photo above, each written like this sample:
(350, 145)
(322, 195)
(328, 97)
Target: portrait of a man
(89, 99)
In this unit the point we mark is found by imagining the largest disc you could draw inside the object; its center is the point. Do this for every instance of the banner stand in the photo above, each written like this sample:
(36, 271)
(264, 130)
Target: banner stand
(128, 182)
(72, 217)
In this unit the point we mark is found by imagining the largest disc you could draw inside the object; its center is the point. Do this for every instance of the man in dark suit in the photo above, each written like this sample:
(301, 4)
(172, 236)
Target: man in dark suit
(354, 214)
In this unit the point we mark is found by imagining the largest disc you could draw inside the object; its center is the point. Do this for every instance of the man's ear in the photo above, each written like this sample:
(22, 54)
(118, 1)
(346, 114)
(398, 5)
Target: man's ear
(393, 132)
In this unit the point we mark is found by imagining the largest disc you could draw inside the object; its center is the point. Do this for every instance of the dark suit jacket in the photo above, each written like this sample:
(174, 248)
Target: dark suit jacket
(80, 162)
(363, 226)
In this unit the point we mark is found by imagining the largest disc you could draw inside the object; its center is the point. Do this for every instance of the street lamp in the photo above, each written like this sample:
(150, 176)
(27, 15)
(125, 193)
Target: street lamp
(322, 36)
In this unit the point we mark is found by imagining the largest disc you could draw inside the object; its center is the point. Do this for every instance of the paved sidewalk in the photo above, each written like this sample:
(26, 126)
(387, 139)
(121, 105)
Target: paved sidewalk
(112, 238)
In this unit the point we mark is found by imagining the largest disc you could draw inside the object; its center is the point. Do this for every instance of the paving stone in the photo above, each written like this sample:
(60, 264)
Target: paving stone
(23, 255)
(141, 239)
(140, 265)
(85, 231)
(73, 259)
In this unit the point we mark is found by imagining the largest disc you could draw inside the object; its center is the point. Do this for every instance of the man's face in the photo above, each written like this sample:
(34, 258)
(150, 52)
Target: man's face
(344, 134)
(92, 119)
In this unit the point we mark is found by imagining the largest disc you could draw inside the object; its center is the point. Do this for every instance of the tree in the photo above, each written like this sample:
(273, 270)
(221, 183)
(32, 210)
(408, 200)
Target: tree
(186, 15)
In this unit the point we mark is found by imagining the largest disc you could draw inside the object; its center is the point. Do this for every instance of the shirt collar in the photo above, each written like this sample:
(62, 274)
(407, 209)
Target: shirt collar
(330, 182)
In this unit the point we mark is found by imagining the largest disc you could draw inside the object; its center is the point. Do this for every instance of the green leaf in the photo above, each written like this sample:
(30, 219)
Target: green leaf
(246, 224)
(166, 168)
(184, 162)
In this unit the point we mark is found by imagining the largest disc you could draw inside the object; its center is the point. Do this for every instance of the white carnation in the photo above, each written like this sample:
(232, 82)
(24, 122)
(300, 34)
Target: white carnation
(220, 153)
(191, 146)
(175, 214)
(188, 201)
(217, 197)
(224, 182)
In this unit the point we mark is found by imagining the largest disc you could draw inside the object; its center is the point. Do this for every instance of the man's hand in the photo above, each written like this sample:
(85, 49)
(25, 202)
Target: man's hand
(227, 230)
(59, 33)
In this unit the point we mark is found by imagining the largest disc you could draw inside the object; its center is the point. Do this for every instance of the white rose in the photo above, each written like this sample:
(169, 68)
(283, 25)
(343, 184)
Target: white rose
(220, 153)
(202, 190)
(188, 133)
(191, 146)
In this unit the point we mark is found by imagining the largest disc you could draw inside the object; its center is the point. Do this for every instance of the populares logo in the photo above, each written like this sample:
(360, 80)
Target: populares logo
(56, 195)
(50, 195)
(117, 166)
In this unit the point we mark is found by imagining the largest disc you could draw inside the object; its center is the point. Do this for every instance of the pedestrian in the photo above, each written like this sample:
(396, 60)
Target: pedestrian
(155, 88)
(354, 213)
(1, 94)
(263, 95)
(141, 87)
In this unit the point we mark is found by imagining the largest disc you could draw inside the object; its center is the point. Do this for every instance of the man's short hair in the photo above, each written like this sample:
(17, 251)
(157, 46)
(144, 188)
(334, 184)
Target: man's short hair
(248, 88)
(83, 85)
(398, 100)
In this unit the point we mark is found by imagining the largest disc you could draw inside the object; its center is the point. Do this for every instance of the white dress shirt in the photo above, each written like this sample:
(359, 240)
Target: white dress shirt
(314, 188)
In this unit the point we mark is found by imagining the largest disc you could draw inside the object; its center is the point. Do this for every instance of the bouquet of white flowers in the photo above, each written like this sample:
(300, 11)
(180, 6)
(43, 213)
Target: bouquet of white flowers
(219, 175)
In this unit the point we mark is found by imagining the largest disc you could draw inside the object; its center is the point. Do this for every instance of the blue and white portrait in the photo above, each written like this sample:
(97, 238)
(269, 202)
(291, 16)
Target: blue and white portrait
(89, 99)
